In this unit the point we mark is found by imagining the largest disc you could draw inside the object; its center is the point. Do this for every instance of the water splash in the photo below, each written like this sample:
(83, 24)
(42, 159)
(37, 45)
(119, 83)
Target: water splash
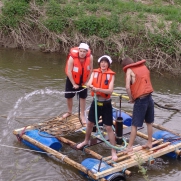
(16, 111)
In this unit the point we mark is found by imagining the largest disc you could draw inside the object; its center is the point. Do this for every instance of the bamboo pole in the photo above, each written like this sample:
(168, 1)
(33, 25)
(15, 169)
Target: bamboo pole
(139, 151)
(59, 156)
(123, 157)
(135, 157)
(160, 146)
(86, 150)
(109, 157)
(136, 149)
(160, 127)
(131, 156)
(94, 154)
(178, 152)
(165, 129)
(145, 154)
(16, 131)
(165, 150)
(140, 134)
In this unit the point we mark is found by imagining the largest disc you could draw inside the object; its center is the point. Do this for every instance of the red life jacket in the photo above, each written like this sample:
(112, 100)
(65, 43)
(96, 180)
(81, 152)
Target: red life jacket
(102, 80)
(142, 84)
(80, 73)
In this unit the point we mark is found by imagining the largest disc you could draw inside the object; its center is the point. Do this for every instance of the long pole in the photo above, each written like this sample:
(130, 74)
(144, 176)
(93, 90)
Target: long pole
(59, 155)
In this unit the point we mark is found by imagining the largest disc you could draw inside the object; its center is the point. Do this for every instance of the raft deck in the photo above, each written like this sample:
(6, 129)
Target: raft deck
(124, 162)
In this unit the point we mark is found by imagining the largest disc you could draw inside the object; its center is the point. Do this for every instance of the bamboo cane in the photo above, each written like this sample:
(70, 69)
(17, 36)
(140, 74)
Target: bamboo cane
(59, 156)
(160, 146)
(140, 134)
(121, 166)
(160, 127)
(88, 151)
(109, 157)
(132, 155)
(138, 149)
(146, 153)
(178, 152)
(165, 129)
(134, 149)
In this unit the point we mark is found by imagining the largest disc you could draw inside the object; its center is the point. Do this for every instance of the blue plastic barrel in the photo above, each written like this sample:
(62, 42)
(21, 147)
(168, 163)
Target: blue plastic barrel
(126, 118)
(93, 165)
(46, 140)
(168, 137)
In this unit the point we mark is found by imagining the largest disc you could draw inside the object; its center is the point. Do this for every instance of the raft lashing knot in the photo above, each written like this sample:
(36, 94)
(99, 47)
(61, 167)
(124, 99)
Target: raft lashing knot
(19, 136)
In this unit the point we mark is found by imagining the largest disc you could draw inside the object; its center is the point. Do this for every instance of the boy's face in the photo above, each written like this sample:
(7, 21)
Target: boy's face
(82, 53)
(104, 65)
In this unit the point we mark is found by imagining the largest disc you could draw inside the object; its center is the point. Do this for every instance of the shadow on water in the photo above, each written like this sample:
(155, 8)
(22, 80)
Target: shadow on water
(32, 89)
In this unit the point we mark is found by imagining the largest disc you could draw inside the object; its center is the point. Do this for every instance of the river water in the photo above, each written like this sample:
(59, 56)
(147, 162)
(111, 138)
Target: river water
(32, 90)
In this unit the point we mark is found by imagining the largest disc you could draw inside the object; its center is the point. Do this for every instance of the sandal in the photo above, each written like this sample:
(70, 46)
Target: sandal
(66, 115)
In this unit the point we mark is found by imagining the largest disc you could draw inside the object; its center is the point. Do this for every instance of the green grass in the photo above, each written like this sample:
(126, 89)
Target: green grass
(13, 12)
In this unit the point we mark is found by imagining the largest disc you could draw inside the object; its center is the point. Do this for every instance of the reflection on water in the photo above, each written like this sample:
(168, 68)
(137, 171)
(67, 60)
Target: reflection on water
(31, 89)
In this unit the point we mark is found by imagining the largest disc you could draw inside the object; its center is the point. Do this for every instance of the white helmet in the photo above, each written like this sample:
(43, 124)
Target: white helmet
(84, 46)
(105, 56)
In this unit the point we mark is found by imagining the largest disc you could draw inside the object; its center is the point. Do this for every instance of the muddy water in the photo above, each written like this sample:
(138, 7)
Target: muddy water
(32, 90)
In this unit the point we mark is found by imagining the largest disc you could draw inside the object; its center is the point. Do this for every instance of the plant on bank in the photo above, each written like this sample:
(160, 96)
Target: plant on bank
(13, 12)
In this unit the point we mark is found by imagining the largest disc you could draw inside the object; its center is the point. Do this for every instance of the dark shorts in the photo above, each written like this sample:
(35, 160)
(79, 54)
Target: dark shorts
(105, 111)
(143, 110)
(69, 88)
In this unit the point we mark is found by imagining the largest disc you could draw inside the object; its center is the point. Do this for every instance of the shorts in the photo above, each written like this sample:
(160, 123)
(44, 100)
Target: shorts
(69, 88)
(143, 110)
(104, 110)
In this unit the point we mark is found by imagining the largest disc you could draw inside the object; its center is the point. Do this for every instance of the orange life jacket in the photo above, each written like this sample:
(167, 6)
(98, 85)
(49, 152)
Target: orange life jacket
(102, 80)
(142, 84)
(80, 73)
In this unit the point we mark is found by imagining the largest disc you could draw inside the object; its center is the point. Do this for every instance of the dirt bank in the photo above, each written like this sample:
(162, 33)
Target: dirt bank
(142, 32)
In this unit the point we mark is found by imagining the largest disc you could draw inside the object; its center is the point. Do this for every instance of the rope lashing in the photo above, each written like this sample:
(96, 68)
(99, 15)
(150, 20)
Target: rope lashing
(19, 136)
(56, 127)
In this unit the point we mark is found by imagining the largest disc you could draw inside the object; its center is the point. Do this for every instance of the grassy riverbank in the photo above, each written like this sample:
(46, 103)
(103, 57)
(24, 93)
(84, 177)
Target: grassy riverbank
(142, 29)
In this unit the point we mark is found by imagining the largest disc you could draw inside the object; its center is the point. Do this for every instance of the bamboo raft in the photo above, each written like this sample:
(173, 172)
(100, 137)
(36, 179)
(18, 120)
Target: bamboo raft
(124, 162)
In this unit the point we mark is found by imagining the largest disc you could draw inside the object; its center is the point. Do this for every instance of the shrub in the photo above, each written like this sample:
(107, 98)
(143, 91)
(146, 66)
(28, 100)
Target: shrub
(13, 12)
(56, 24)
